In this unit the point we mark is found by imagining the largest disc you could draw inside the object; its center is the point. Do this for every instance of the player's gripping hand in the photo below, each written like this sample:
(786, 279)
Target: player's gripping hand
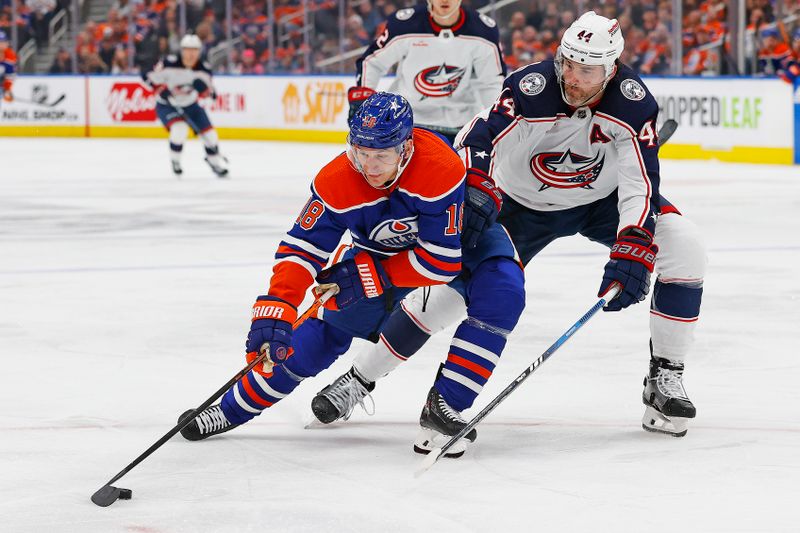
(481, 206)
(8, 96)
(271, 330)
(632, 259)
(356, 97)
(354, 279)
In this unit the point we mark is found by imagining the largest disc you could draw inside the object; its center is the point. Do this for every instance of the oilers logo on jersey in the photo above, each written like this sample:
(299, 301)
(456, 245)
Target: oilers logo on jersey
(565, 170)
(438, 81)
(396, 233)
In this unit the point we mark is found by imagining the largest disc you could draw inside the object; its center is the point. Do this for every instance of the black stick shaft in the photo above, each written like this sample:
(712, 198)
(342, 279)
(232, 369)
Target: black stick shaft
(239, 375)
(186, 421)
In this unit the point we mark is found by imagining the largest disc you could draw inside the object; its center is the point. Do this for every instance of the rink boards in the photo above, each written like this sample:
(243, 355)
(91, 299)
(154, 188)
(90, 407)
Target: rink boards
(729, 119)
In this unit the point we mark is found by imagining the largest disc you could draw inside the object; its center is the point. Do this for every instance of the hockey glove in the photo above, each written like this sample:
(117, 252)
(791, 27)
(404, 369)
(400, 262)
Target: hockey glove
(356, 97)
(632, 259)
(201, 87)
(8, 96)
(271, 330)
(355, 279)
(481, 206)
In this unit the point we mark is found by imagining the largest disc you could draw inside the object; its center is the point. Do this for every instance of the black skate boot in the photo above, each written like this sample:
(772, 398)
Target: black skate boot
(176, 168)
(218, 164)
(208, 423)
(668, 407)
(338, 399)
(439, 422)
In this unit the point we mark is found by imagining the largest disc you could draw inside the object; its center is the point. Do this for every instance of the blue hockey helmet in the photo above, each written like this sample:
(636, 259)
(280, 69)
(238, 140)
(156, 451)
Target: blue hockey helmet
(384, 120)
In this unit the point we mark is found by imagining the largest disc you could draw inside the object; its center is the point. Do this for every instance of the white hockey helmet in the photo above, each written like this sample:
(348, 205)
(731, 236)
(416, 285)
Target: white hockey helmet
(593, 40)
(191, 41)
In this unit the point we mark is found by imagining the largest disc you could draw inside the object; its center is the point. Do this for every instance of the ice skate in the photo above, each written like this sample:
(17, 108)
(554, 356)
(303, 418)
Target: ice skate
(668, 407)
(210, 422)
(176, 168)
(218, 164)
(439, 422)
(337, 400)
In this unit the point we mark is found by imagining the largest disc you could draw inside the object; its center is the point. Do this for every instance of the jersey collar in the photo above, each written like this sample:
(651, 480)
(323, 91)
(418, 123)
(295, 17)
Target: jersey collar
(460, 22)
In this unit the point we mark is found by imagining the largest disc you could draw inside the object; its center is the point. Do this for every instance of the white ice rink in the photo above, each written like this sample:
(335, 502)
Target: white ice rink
(125, 297)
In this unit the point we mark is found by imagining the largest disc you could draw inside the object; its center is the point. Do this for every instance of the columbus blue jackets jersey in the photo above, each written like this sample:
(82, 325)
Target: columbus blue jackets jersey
(447, 74)
(548, 156)
(413, 227)
(170, 73)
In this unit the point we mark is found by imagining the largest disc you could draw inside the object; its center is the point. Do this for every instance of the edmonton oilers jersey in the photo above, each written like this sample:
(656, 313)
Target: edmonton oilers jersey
(412, 227)
(548, 156)
(447, 74)
(170, 73)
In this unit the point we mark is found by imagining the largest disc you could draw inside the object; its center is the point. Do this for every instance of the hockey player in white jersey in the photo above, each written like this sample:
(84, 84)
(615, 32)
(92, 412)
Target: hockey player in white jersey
(178, 82)
(572, 144)
(449, 64)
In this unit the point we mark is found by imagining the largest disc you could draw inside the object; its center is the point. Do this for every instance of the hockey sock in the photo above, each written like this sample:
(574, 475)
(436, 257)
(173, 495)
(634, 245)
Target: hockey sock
(474, 352)
(210, 141)
(674, 311)
(178, 132)
(254, 393)
(400, 339)
(175, 152)
(496, 294)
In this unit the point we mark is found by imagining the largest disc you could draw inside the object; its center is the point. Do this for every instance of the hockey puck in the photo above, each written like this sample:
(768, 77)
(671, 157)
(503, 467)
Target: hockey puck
(125, 494)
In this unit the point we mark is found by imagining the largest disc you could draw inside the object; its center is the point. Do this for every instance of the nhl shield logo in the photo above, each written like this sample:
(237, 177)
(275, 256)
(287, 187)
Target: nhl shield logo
(632, 90)
(532, 84)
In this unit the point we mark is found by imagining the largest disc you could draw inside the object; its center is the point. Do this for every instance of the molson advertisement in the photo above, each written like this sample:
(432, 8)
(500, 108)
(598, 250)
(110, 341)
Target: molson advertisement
(730, 119)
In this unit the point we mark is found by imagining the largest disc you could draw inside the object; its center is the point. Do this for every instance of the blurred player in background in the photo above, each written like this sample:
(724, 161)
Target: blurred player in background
(178, 82)
(8, 68)
(449, 64)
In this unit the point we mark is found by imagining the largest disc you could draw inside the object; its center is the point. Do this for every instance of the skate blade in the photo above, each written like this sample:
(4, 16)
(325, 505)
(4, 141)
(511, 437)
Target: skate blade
(656, 422)
(429, 440)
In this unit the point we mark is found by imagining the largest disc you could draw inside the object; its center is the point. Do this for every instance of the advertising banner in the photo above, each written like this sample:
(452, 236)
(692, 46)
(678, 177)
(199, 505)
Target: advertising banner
(245, 107)
(728, 119)
(45, 105)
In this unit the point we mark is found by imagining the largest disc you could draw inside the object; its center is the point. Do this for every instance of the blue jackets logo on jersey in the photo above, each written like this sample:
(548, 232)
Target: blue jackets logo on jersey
(565, 170)
(438, 81)
(396, 233)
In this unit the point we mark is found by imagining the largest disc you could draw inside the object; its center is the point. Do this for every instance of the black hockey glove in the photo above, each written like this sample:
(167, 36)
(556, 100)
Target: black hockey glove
(632, 259)
(356, 97)
(481, 206)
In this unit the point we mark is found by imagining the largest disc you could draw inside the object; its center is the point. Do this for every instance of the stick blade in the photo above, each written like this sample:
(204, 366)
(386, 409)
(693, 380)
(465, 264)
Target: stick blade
(105, 496)
(428, 462)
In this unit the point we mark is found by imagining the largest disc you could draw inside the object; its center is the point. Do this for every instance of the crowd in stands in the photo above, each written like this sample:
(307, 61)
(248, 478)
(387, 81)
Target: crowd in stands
(32, 19)
(137, 32)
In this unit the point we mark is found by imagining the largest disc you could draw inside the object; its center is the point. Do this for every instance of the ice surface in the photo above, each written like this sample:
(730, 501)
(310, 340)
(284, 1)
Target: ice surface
(124, 300)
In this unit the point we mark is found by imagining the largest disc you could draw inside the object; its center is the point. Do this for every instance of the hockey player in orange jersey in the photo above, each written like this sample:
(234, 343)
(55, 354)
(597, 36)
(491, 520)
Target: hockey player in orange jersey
(8, 68)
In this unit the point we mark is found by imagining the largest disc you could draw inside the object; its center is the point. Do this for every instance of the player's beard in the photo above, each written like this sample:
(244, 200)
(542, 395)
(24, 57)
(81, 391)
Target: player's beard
(579, 96)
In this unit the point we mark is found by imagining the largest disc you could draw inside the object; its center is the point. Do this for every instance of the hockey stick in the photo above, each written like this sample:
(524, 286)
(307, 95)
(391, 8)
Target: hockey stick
(436, 453)
(43, 104)
(667, 129)
(108, 494)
